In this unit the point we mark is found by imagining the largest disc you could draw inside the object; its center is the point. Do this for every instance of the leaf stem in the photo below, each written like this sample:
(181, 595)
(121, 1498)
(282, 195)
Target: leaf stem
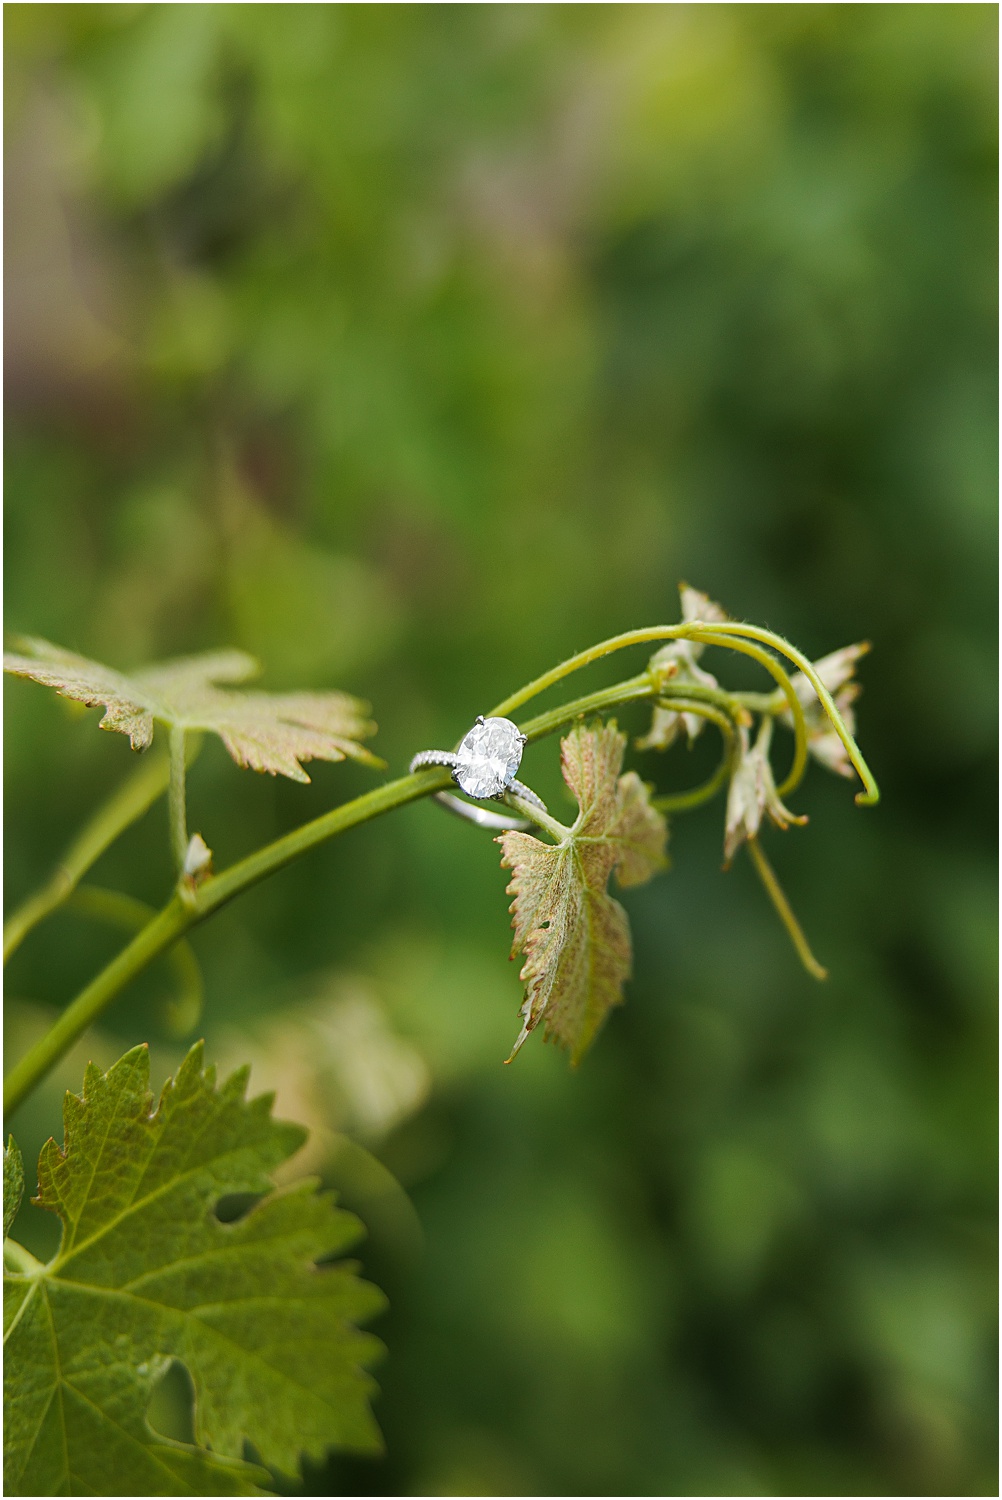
(19, 1260)
(558, 831)
(177, 810)
(777, 896)
(122, 809)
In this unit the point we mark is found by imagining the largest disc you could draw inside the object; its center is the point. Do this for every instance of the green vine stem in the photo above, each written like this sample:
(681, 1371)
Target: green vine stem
(681, 697)
(187, 908)
(777, 896)
(123, 809)
(165, 928)
(193, 903)
(762, 703)
(694, 630)
(633, 689)
(648, 635)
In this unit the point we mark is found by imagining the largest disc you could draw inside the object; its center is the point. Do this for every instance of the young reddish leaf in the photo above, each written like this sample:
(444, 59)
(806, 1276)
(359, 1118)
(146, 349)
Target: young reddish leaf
(575, 937)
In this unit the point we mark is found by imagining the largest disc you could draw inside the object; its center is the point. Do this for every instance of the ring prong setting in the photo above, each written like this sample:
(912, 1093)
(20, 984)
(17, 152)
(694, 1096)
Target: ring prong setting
(488, 758)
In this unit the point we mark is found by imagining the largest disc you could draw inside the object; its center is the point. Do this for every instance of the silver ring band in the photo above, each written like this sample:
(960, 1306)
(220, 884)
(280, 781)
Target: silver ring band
(432, 758)
(480, 815)
(526, 793)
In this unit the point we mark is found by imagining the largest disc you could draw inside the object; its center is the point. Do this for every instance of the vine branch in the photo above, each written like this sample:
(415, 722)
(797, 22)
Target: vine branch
(193, 903)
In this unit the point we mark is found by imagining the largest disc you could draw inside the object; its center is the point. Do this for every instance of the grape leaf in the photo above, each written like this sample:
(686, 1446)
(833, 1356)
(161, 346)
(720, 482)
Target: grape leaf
(13, 1183)
(266, 731)
(575, 937)
(147, 1272)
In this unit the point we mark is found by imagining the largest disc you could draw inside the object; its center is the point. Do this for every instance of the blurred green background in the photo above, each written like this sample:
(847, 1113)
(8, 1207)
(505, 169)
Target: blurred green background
(412, 348)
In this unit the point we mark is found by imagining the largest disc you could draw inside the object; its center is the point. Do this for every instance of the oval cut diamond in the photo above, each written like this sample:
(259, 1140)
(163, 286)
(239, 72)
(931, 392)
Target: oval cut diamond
(488, 758)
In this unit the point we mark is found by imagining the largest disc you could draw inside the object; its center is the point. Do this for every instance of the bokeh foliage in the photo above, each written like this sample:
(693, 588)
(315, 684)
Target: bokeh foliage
(411, 348)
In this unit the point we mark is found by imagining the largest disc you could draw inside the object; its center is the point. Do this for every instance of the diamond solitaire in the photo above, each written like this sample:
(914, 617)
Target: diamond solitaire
(484, 767)
(488, 758)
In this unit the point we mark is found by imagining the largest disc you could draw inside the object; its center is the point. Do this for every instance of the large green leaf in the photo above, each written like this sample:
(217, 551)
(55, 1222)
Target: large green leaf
(147, 1272)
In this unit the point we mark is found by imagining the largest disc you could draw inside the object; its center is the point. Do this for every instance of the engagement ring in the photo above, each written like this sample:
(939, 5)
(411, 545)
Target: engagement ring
(484, 767)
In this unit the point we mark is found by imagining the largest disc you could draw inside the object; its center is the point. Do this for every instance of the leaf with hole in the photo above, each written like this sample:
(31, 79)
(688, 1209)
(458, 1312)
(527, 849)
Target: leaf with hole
(147, 1273)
